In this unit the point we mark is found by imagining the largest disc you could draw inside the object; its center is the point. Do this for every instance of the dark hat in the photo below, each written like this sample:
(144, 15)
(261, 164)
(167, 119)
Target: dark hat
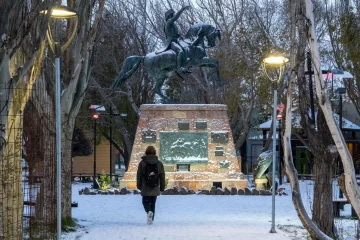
(169, 13)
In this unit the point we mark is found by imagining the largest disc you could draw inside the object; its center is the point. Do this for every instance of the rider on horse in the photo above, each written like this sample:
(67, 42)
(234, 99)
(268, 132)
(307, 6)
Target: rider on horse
(172, 37)
(161, 66)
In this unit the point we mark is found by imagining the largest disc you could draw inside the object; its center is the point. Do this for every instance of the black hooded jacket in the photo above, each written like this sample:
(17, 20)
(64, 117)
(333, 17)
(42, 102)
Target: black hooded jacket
(140, 181)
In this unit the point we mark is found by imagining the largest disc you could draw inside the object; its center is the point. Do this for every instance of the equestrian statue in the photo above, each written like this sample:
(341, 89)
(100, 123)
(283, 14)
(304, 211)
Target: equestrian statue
(177, 56)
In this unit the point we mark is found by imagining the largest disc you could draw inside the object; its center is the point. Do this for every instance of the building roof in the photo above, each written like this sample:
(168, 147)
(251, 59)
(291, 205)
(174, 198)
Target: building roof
(347, 125)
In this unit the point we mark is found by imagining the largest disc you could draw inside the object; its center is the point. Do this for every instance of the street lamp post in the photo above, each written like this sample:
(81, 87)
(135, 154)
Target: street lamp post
(60, 12)
(95, 116)
(279, 110)
(96, 109)
(279, 63)
(111, 144)
(340, 91)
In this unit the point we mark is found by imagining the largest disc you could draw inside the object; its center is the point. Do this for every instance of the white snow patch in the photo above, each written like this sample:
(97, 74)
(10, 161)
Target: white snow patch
(202, 217)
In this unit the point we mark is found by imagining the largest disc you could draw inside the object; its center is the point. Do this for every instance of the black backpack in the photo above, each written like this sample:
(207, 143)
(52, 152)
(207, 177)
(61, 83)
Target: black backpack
(151, 175)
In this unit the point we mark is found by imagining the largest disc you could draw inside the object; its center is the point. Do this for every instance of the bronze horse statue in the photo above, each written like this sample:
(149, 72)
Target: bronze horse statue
(161, 65)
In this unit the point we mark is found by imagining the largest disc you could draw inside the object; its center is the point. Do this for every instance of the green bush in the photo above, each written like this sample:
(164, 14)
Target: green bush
(105, 181)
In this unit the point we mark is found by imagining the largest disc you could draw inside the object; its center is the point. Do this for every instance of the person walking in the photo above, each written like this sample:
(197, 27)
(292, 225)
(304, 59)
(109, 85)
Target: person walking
(150, 180)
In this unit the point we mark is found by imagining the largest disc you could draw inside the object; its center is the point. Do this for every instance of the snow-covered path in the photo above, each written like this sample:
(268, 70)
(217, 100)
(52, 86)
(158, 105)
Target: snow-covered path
(184, 217)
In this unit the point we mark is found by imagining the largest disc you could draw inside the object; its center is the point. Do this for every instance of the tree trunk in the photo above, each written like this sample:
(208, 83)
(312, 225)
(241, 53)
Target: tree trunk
(323, 170)
(10, 166)
(288, 160)
(11, 194)
(322, 207)
(76, 83)
(21, 28)
(247, 113)
(66, 187)
(39, 138)
(350, 181)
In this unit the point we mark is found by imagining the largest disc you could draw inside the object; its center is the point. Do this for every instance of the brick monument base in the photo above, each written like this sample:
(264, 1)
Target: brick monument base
(194, 142)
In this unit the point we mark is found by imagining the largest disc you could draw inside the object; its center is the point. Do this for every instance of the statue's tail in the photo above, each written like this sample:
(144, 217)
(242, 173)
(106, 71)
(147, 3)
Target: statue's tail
(129, 67)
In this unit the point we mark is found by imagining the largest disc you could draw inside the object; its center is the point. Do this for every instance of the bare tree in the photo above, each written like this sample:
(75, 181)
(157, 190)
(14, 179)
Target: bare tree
(21, 54)
(315, 227)
(344, 45)
(125, 31)
(352, 190)
(319, 141)
(242, 45)
(75, 82)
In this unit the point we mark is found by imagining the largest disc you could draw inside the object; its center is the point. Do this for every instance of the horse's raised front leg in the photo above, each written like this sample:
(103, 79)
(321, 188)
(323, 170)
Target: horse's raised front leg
(159, 83)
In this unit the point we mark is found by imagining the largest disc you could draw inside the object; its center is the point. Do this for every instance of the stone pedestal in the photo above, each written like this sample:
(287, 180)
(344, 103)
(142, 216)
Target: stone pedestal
(193, 141)
(261, 183)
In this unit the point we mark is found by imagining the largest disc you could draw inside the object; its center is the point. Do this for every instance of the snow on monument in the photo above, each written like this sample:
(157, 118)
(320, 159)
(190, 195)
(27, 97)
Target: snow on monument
(193, 141)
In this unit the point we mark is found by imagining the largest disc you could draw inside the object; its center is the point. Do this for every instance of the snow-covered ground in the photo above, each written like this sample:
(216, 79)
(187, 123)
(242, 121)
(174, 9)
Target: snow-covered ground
(201, 217)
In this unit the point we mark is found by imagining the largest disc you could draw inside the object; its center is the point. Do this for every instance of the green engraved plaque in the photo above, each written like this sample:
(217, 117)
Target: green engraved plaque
(184, 147)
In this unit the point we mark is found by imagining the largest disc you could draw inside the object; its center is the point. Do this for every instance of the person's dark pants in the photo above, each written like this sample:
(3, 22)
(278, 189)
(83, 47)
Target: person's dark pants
(149, 204)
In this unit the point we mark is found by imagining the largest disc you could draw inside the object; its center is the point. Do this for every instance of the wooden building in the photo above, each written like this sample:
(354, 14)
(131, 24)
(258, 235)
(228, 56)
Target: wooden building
(83, 166)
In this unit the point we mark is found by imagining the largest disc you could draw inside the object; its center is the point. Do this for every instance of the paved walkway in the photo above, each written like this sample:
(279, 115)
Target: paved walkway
(111, 217)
